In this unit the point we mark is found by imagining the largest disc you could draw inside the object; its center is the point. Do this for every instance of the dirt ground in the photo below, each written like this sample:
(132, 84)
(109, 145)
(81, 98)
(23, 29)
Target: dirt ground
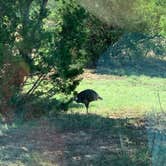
(43, 144)
(91, 74)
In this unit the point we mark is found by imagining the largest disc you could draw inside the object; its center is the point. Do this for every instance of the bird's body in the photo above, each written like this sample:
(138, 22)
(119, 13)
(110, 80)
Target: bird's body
(87, 96)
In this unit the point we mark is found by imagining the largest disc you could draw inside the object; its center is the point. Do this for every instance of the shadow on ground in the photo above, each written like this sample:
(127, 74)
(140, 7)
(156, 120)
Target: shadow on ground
(146, 66)
(135, 54)
(77, 139)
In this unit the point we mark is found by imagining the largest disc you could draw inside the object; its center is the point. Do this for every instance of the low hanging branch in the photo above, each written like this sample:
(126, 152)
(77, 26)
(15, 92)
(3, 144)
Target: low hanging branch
(36, 84)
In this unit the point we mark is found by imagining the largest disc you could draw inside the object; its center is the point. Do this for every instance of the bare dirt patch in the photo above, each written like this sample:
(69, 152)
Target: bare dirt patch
(91, 74)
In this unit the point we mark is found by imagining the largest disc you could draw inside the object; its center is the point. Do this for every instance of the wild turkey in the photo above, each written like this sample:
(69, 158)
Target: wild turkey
(87, 96)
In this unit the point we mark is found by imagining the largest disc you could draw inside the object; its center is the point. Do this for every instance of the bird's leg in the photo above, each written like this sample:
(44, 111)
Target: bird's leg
(86, 110)
(87, 106)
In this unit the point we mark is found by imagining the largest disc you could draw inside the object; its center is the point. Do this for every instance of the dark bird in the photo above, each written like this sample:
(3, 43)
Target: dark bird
(87, 96)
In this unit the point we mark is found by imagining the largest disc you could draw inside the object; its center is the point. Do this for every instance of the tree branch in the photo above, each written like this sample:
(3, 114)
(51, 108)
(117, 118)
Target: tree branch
(36, 84)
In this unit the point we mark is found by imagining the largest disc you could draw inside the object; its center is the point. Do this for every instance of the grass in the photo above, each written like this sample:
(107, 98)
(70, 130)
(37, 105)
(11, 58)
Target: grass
(131, 95)
(116, 132)
(128, 94)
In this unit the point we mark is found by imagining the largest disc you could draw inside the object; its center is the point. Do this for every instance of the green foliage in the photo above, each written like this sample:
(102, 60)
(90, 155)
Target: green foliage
(71, 44)
(162, 25)
(140, 15)
(153, 16)
(136, 53)
(54, 55)
(80, 26)
(15, 48)
(100, 37)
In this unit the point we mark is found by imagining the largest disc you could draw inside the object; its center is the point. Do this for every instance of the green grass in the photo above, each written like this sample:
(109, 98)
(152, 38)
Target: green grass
(97, 138)
(133, 95)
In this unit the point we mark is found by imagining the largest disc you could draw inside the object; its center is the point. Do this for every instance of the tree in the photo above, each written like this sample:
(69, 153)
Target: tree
(140, 15)
(82, 27)
(29, 48)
